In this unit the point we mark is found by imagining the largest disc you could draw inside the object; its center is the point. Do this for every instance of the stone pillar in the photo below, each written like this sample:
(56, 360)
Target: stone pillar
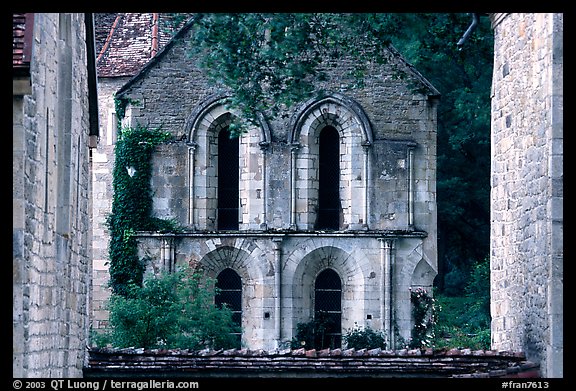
(386, 263)
(410, 186)
(278, 290)
(191, 149)
(167, 256)
(293, 172)
(367, 181)
(264, 147)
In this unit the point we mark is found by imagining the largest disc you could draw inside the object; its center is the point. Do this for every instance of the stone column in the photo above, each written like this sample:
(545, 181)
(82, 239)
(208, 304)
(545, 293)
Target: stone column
(410, 186)
(366, 147)
(293, 172)
(167, 254)
(264, 147)
(386, 264)
(191, 149)
(278, 290)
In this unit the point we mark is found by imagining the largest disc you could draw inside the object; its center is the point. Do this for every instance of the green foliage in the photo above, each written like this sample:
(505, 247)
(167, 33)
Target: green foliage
(464, 321)
(424, 316)
(365, 338)
(271, 61)
(464, 79)
(312, 334)
(170, 310)
(131, 204)
(459, 325)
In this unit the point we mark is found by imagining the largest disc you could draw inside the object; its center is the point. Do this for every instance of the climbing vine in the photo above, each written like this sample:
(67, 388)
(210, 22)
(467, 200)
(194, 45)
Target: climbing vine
(120, 108)
(131, 204)
(424, 314)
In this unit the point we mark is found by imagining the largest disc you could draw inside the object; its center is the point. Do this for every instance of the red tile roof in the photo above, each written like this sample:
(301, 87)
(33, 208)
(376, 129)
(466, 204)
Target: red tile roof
(451, 363)
(125, 41)
(21, 41)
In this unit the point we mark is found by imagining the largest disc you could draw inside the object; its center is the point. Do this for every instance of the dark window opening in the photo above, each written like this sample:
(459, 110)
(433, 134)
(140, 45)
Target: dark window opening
(328, 217)
(229, 287)
(328, 309)
(228, 182)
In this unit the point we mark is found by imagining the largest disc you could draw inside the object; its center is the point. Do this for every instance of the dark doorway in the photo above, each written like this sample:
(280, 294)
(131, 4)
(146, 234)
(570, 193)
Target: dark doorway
(228, 182)
(329, 180)
(328, 309)
(229, 285)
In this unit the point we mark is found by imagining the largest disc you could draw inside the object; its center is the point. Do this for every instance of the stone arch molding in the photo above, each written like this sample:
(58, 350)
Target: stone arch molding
(243, 261)
(303, 266)
(208, 110)
(356, 138)
(202, 127)
(347, 112)
(416, 270)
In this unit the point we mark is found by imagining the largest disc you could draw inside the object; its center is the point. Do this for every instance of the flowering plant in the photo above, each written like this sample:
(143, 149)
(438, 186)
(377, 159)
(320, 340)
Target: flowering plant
(423, 312)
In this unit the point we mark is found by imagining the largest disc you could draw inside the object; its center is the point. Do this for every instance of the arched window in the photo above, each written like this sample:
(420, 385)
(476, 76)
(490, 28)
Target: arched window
(328, 309)
(329, 205)
(228, 182)
(229, 285)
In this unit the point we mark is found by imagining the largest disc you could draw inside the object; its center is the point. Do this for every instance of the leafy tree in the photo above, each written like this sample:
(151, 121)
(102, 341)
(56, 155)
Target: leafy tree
(463, 76)
(169, 310)
(271, 61)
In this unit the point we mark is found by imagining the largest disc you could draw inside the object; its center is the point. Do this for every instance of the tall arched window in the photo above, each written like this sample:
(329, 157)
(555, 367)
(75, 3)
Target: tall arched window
(229, 285)
(228, 182)
(329, 180)
(328, 309)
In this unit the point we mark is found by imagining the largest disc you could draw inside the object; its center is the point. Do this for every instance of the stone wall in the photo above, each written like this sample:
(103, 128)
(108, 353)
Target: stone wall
(51, 203)
(527, 188)
(102, 193)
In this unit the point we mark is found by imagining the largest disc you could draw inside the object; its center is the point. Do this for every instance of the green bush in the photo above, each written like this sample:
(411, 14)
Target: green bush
(366, 338)
(313, 334)
(171, 310)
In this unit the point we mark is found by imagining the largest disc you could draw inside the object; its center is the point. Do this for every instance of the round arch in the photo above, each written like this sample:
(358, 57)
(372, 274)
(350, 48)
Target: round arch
(355, 132)
(351, 275)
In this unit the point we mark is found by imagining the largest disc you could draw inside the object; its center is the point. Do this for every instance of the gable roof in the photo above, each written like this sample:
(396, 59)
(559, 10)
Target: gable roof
(125, 42)
(425, 86)
(161, 53)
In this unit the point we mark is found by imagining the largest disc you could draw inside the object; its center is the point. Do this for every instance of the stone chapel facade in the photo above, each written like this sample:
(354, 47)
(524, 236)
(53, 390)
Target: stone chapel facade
(333, 205)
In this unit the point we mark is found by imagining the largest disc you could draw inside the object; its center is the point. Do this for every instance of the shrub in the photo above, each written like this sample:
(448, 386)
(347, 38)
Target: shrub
(171, 310)
(312, 334)
(359, 338)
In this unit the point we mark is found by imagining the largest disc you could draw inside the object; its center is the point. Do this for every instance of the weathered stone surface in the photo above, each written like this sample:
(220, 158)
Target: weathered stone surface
(527, 195)
(52, 222)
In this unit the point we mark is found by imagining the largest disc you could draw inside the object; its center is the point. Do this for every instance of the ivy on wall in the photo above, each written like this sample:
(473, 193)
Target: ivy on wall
(132, 204)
